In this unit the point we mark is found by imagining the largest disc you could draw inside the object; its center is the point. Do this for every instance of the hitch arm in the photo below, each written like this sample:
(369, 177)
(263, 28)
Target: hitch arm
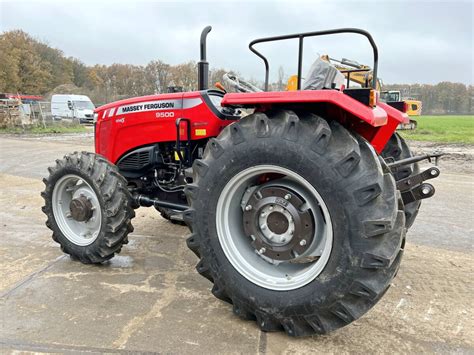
(394, 165)
(409, 182)
(418, 193)
(414, 188)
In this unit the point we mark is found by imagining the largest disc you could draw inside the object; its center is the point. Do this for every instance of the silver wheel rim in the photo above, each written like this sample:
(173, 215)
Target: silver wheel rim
(66, 189)
(237, 246)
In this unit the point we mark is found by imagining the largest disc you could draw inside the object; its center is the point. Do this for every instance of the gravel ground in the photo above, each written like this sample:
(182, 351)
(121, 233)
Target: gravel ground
(150, 299)
(458, 158)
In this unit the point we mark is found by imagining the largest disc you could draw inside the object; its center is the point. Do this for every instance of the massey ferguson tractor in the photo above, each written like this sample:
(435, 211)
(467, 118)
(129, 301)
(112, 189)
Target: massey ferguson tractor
(297, 201)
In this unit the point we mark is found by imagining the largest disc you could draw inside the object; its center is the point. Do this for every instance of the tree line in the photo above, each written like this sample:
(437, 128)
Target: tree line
(442, 98)
(28, 66)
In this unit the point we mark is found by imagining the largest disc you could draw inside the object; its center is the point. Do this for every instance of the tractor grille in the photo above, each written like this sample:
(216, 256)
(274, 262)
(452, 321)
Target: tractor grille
(135, 161)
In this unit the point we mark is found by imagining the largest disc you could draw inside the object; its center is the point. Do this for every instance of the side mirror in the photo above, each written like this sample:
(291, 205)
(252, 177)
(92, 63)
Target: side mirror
(69, 105)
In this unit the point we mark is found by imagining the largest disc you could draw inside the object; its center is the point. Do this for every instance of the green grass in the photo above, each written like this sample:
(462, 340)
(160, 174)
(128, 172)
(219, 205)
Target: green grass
(443, 129)
(59, 128)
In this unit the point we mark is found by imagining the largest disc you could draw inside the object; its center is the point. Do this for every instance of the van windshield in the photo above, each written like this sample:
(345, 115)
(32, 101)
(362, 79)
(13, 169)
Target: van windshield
(84, 105)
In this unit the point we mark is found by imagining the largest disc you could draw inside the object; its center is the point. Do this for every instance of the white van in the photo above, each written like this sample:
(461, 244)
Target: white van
(73, 107)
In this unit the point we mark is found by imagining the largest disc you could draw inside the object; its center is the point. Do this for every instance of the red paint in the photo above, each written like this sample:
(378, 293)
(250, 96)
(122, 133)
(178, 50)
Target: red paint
(23, 97)
(383, 134)
(117, 133)
(373, 116)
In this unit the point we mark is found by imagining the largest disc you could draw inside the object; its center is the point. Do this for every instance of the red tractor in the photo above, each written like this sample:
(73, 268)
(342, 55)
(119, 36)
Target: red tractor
(298, 202)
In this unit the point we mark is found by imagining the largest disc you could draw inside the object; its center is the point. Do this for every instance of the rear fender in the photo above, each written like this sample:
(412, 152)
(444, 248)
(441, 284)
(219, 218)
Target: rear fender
(376, 124)
(383, 133)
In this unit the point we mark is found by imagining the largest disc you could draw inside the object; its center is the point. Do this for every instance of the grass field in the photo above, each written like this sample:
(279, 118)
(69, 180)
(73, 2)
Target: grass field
(58, 128)
(445, 129)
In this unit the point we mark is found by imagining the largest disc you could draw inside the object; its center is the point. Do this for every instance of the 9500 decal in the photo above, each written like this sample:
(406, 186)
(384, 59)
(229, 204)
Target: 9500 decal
(166, 114)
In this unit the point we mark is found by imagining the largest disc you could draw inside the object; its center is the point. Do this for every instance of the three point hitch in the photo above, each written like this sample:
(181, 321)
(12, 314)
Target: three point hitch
(414, 188)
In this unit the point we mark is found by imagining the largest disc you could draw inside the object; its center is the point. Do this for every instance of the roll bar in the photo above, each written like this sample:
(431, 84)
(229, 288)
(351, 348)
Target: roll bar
(301, 36)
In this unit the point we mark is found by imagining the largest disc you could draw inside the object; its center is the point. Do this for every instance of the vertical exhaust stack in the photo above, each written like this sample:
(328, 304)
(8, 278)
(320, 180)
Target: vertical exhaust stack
(203, 65)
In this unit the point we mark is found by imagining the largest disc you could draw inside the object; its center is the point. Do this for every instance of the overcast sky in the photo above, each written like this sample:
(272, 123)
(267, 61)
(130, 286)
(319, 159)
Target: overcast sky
(418, 41)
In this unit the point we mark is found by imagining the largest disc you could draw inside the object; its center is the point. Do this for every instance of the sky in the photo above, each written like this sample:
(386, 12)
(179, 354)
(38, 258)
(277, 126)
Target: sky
(418, 41)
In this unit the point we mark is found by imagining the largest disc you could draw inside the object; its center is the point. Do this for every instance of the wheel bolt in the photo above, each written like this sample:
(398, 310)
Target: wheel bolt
(303, 242)
(287, 196)
(263, 226)
(248, 207)
(270, 208)
(262, 250)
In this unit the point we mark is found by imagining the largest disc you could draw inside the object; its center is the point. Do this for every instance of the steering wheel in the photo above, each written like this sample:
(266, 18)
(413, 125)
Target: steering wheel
(239, 84)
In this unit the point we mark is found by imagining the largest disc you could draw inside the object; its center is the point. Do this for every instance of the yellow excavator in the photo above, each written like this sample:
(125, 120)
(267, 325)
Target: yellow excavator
(413, 106)
(360, 74)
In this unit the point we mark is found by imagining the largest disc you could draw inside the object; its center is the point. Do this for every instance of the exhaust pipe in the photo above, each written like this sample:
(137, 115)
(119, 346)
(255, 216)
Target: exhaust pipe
(203, 65)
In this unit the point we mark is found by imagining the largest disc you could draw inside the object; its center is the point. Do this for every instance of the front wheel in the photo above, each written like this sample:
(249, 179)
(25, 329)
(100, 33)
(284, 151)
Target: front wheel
(295, 222)
(88, 207)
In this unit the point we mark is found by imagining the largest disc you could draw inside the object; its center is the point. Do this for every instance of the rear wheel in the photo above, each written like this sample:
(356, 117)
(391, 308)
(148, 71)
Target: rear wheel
(295, 222)
(175, 217)
(398, 149)
(88, 207)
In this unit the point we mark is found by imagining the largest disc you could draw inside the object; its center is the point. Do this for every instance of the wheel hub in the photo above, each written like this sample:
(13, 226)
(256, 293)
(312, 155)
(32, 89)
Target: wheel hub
(276, 224)
(279, 223)
(81, 209)
(77, 209)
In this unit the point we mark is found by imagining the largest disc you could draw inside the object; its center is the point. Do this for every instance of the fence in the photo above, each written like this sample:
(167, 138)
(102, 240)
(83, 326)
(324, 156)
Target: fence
(14, 113)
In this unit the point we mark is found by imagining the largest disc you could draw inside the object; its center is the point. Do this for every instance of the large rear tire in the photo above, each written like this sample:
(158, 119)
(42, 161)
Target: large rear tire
(88, 207)
(311, 175)
(175, 217)
(398, 149)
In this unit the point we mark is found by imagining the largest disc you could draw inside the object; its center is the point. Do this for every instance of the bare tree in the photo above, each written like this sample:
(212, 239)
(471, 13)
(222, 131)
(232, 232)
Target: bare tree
(185, 75)
(281, 78)
(158, 76)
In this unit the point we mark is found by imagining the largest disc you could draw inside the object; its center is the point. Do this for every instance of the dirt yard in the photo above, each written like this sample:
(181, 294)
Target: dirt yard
(458, 158)
(150, 299)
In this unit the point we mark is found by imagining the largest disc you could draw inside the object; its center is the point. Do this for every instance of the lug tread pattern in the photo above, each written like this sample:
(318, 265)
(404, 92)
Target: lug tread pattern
(367, 193)
(117, 211)
(262, 127)
(243, 311)
(398, 149)
(379, 237)
(378, 227)
(236, 134)
(193, 244)
(347, 165)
